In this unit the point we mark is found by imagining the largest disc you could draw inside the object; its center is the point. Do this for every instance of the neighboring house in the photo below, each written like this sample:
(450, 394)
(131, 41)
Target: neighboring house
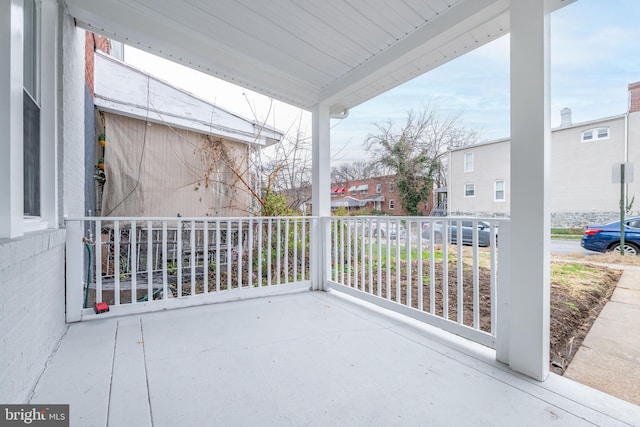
(583, 156)
(374, 194)
(166, 152)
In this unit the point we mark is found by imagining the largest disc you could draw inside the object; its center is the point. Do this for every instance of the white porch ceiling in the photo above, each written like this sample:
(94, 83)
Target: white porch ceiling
(303, 52)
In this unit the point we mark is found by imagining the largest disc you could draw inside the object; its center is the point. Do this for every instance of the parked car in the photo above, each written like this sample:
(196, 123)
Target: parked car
(606, 238)
(484, 232)
(393, 230)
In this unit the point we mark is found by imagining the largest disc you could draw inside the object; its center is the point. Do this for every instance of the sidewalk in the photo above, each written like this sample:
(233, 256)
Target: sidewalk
(609, 357)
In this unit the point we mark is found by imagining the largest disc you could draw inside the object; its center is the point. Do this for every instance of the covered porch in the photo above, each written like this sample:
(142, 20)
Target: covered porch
(301, 358)
(371, 348)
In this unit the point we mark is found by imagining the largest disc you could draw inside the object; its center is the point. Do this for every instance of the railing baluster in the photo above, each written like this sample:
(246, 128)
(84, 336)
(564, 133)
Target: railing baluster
(180, 257)
(134, 262)
(341, 260)
(116, 262)
(260, 249)
(494, 276)
(218, 266)
(303, 235)
(278, 251)
(250, 254)
(269, 249)
(356, 260)
(348, 222)
(370, 238)
(229, 238)
(363, 257)
(240, 253)
(460, 273)
(193, 257)
(476, 278)
(205, 256)
(398, 271)
(379, 260)
(388, 261)
(286, 250)
(150, 245)
(165, 254)
(336, 266)
(445, 269)
(409, 263)
(420, 295)
(98, 257)
(432, 267)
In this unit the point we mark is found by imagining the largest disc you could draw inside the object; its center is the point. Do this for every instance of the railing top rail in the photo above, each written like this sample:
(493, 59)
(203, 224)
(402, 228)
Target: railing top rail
(425, 218)
(182, 218)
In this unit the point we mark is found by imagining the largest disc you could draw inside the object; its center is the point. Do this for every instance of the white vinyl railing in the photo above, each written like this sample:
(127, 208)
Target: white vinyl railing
(149, 261)
(443, 271)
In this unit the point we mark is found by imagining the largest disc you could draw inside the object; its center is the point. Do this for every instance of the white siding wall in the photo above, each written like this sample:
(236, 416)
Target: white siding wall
(490, 163)
(581, 171)
(581, 174)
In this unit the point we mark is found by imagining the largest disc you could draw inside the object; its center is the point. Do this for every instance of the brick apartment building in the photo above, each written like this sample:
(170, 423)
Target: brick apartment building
(377, 195)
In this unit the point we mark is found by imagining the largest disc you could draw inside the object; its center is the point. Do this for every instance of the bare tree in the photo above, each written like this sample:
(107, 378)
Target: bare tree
(353, 171)
(415, 151)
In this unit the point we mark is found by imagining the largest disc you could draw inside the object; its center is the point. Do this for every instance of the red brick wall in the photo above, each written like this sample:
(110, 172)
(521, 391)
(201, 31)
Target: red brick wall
(634, 92)
(372, 183)
(93, 42)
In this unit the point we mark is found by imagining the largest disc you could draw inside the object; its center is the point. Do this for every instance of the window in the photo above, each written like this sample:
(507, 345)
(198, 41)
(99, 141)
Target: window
(364, 189)
(469, 190)
(498, 192)
(468, 162)
(31, 111)
(391, 187)
(392, 204)
(595, 134)
(378, 188)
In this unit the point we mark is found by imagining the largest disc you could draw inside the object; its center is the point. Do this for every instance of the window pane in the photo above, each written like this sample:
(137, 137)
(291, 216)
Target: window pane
(30, 49)
(587, 135)
(603, 132)
(31, 144)
(469, 190)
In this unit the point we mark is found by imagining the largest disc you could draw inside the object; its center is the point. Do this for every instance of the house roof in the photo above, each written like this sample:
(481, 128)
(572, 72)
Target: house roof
(149, 98)
(340, 53)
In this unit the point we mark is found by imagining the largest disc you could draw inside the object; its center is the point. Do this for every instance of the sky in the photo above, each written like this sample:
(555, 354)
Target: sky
(595, 54)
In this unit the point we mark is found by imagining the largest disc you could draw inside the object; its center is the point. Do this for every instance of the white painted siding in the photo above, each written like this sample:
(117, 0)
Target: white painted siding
(490, 163)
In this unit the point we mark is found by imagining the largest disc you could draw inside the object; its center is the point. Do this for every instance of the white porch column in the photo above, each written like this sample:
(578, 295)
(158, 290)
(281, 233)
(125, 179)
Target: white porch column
(530, 214)
(11, 178)
(321, 198)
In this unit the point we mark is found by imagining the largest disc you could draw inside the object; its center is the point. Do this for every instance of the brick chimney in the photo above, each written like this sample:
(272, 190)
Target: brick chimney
(634, 97)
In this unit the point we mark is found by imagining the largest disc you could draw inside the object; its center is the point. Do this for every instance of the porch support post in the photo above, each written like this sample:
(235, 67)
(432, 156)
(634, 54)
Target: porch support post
(11, 174)
(74, 267)
(320, 199)
(530, 170)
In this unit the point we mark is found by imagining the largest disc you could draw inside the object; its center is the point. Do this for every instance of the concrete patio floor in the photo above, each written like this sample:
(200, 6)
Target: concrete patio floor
(303, 358)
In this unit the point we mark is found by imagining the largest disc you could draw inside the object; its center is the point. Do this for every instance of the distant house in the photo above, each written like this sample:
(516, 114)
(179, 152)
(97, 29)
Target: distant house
(377, 195)
(161, 151)
(583, 157)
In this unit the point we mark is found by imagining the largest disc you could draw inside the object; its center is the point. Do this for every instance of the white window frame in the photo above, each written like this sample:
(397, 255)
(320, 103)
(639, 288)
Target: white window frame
(378, 188)
(593, 134)
(495, 191)
(391, 187)
(473, 189)
(13, 222)
(468, 161)
(392, 204)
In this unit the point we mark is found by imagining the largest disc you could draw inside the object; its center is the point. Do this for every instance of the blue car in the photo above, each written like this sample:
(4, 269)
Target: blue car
(606, 238)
